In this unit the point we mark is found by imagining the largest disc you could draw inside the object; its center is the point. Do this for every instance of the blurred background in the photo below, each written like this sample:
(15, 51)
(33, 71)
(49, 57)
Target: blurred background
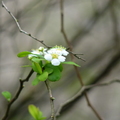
(93, 28)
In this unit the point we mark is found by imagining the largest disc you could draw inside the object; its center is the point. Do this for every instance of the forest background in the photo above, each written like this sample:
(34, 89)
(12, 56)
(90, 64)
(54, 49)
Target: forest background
(92, 27)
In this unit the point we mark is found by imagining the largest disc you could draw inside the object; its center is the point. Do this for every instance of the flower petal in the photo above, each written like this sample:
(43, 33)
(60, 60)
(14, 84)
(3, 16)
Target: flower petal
(61, 58)
(48, 57)
(55, 62)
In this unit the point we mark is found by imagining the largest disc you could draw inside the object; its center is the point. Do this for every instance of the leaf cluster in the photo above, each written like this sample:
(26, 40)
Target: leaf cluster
(44, 69)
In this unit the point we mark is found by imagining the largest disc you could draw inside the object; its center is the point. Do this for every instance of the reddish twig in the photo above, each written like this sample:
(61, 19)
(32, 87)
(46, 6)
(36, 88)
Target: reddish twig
(72, 57)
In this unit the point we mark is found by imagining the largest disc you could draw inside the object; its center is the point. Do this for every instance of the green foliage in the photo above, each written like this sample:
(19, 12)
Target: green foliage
(46, 63)
(56, 73)
(37, 60)
(23, 54)
(35, 81)
(43, 76)
(36, 67)
(71, 63)
(49, 70)
(7, 95)
(35, 112)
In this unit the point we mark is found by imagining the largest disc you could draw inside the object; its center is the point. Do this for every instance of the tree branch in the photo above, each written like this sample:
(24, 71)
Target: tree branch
(17, 94)
(53, 117)
(19, 27)
(68, 103)
(72, 57)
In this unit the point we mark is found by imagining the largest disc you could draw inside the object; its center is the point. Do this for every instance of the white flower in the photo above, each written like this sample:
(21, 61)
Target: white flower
(38, 52)
(55, 55)
(65, 53)
(58, 50)
(55, 62)
(42, 49)
(48, 57)
(31, 55)
(61, 58)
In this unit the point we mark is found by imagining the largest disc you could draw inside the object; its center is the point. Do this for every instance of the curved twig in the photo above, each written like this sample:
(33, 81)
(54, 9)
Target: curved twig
(17, 94)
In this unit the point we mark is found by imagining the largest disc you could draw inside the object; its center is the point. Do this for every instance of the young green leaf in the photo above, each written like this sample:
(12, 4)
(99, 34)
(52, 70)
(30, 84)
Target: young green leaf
(36, 67)
(35, 81)
(37, 60)
(43, 76)
(55, 75)
(23, 54)
(35, 112)
(71, 63)
(49, 70)
(7, 95)
(60, 67)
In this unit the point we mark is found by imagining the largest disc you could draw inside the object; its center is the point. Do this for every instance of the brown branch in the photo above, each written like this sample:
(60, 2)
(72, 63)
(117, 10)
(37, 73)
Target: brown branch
(101, 75)
(17, 94)
(53, 117)
(72, 57)
(63, 107)
(19, 27)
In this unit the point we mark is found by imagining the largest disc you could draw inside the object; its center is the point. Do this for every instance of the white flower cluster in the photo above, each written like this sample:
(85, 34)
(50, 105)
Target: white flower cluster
(55, 55)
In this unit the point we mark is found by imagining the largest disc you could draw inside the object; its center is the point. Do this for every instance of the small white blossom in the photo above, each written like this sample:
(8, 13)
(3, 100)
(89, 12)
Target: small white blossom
(65, 53)
(55, 55)
(55, 62)
(37, 52)
(31, 55)
(61, 58)
(48, 57)
(42, 49)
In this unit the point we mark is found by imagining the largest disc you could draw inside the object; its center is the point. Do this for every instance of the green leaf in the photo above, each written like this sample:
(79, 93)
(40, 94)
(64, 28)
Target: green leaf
(43, 76)
(71, 63)
(35, 81)
(55, 75)
(7, 95)
(36, 67)
(23, 54)
(35, 112)
(37, 60)
(49, 70)
(60, 67)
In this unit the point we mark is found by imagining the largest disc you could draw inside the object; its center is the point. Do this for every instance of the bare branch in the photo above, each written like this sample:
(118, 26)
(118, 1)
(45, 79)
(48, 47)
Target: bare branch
(19, 27)
(53, 117)
(17, 94)
(72, 57)
(63, 106)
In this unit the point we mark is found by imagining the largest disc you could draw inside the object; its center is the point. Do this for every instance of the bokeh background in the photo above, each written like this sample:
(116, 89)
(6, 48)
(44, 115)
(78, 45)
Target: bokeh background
(92, 26)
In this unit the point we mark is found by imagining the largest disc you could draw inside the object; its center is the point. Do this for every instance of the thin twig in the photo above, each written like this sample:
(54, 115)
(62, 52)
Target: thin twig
(76, 55)
(19, 27)
(72, 57)
(16, 95)
(102, 84)
(53, 117)
(83, 89)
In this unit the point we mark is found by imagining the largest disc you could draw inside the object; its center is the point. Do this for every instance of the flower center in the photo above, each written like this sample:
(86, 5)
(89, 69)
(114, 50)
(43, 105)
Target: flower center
(54, 55)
